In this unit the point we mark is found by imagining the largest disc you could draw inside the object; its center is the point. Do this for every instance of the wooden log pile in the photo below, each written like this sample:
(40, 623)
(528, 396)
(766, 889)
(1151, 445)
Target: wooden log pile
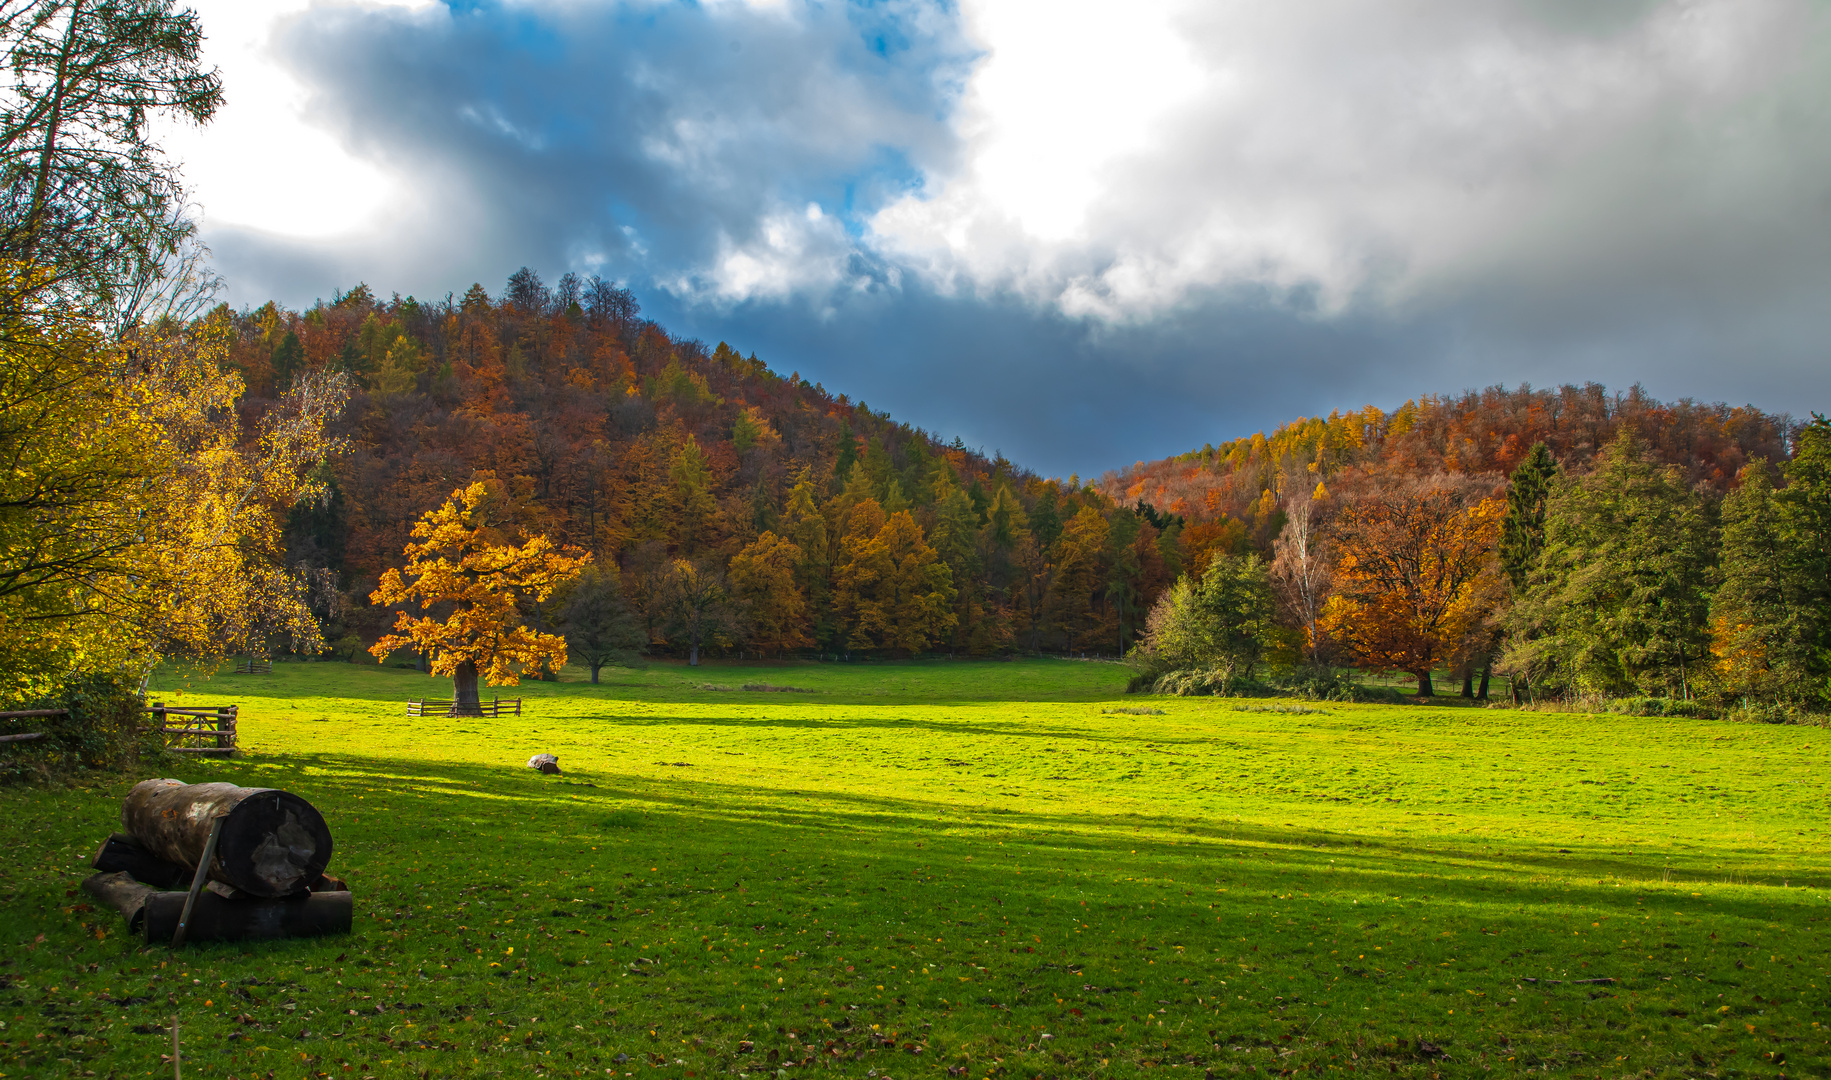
(217, 862)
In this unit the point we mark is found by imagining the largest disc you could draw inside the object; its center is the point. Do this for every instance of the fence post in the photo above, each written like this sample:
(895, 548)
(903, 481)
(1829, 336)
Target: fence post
(225, 727)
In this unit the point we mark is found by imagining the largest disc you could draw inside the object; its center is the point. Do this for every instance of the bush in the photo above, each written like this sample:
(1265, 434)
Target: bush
(1659, 706)
(1219, 682)
(1316, 683)
(107, 729)
(1766, 712)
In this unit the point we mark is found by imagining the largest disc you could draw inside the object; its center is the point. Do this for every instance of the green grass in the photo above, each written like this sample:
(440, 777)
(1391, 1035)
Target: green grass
(961, 859)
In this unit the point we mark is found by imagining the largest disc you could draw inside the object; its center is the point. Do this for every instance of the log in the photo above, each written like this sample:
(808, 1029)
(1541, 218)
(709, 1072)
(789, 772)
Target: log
(273, 842)
(29, 737)
(121, 892)
(216, 919)
(121, 852)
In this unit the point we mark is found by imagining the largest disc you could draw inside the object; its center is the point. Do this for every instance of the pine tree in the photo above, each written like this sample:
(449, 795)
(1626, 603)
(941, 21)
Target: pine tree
(1522, 531)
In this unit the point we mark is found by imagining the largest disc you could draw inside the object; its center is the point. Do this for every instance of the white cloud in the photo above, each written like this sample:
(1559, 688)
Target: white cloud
(263, 163)
(1122, 157)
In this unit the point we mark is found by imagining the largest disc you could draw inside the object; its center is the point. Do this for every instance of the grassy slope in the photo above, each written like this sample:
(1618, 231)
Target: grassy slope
(961, 858)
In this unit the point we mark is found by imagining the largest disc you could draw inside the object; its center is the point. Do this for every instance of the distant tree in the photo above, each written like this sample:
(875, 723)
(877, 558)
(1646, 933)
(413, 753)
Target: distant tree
(1522, 531)
(461, 562)
(476, 301)
(695, 508)
(526, 293)
(606, 303)
(568, 293)
(1223, 622)
(696, 606)
(1771, 613)
(1300, 572)
(1619, 597)
(599, 626)
(1414, 573)
(891, 591)
(763, 581)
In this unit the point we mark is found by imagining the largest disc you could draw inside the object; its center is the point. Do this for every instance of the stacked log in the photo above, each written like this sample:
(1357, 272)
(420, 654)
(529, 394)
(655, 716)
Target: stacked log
(265, 875)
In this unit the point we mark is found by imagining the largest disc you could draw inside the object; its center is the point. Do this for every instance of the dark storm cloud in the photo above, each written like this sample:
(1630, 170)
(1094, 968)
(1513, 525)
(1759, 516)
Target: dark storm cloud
(1354, 205)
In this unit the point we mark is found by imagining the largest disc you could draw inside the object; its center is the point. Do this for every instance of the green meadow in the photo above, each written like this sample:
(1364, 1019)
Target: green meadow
(960, 870)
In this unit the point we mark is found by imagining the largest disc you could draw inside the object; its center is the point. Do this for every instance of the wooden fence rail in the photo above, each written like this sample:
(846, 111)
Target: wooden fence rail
(29, 714)
(197, 731)
(254, 667)
(448, 707)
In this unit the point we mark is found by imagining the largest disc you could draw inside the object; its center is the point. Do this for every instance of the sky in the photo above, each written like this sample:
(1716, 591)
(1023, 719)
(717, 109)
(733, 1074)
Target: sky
(1081, 234)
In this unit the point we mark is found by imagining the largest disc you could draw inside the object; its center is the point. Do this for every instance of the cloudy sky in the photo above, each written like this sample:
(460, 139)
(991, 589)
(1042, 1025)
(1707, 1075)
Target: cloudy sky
(1080, 233)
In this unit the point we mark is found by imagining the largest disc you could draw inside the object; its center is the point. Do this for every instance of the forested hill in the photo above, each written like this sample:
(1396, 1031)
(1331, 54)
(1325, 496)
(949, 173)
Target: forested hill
(1475, 433)
(598, 429)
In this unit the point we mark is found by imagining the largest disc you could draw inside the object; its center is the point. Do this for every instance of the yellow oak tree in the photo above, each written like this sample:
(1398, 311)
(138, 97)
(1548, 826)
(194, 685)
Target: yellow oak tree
(459, 558)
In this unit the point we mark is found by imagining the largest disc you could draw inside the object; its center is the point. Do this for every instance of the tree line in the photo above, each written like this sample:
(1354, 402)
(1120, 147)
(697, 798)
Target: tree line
(1613, 574)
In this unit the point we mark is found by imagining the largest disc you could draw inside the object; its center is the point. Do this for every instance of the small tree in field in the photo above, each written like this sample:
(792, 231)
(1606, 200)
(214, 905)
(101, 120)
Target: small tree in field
(599, 626)
(458, 559)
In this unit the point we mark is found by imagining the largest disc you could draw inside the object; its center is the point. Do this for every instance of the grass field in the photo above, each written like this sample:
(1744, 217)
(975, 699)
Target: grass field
(962, 870)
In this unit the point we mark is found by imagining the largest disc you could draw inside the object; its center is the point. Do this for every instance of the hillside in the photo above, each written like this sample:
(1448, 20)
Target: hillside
(601, 430)
(1484, 433)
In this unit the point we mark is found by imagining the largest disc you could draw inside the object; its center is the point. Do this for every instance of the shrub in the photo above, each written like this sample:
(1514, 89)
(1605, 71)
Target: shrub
(1659, 706)
(106, 729)
(1767, 712)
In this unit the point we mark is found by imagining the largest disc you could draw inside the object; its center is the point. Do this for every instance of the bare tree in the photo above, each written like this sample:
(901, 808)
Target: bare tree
(1301, 574)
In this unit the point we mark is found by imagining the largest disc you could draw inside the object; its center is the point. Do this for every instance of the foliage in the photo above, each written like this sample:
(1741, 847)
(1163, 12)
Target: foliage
(1301, 572)
(696, 605)
(1415, 574)
(1660, 706)
(137, 515)
(1618, 600)
(1522, 531)
(763, 581)
(105, 730)
(460, 561)
(891, 591)
(84, 191)
(1219, 627)
(597, 623)
(1771, 612)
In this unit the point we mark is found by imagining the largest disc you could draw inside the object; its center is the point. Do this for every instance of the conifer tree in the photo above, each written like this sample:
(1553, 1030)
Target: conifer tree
(1619, 595)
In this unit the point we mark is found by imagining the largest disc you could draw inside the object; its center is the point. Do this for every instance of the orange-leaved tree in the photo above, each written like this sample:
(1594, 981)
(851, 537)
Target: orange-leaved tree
(1415, 573)
(460, 560)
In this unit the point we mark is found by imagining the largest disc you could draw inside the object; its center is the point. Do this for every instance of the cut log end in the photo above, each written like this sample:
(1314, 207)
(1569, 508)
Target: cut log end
(273, 842)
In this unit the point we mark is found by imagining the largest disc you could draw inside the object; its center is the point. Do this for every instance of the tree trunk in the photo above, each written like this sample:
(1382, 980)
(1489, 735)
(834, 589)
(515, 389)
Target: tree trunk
(1468, 683)
(594, 674)
(1487, 672)
(273, 843)
(1424, 686)
(465, 701)
(693, 651)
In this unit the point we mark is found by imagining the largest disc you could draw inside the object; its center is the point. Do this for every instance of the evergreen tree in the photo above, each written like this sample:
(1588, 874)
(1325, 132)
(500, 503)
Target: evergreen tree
(1619, 596)
(1522, 531)
(1771, 615)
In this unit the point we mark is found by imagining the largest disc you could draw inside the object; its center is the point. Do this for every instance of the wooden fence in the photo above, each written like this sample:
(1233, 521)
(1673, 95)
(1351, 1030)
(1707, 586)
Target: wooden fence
(29, 714)
(197, 731)
(447, 707)
(254, 667)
